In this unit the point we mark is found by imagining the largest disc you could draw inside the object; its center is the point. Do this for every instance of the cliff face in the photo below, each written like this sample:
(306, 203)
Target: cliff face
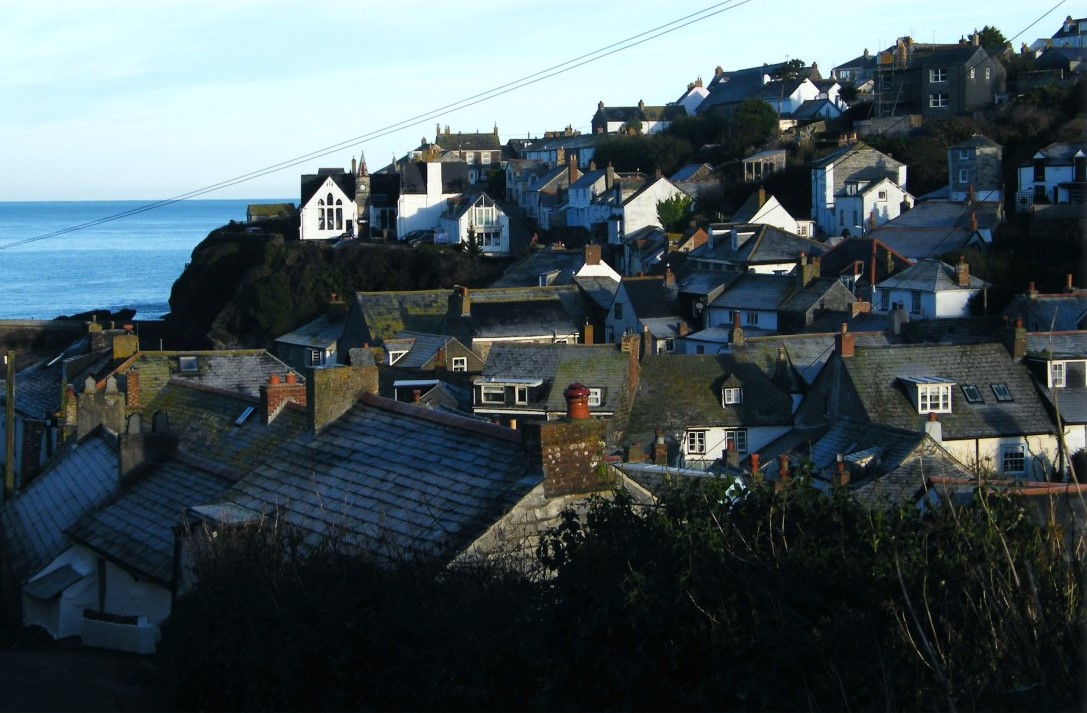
(244, 290)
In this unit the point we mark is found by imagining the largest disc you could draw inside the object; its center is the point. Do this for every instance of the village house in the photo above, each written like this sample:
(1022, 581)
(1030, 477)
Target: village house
(476, 216)
(640, 119)
(930, 289)
(850, 169)
(1056, 175)
(328, 205)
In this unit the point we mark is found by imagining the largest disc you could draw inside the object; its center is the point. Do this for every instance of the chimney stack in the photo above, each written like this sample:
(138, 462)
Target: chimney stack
(132, 389)
(587, 334)
(660, 449)
(736, 335)
(841, 477)
(592, 254)
(762, 196)
(464, 300)
(962, 272)
(756, 476)
(783, 471)
(1019, 340)
(571, 166)
(973, 221)
(275, 395)
(844, 342)
(1031, 291)
(933, 428)
(577, 401)
(1068, 285)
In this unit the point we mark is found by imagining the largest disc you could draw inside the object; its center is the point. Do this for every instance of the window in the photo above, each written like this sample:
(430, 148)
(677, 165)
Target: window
(314, 357)
(1039, 169)
(696, 441)
(987, 69)
(188, 364)
(938, 101)
(934, 397)
(1001, 392)
(731, 395)
(881, 195)
(964, 175)
(670, 345)
(492, 394)
(1056, 374)
(971, 73)
(973, 396)
(884, 300)
(1079, 169)
(964, 154)
(736, 438)
(752, 318)
(596, 396)
(395, 356)
(937, 74)
(460, 363)
(320, 214)
(618, 310)
(485, 158)
(915, 302)
(1013, 459)
(520, 395)
(700, 349)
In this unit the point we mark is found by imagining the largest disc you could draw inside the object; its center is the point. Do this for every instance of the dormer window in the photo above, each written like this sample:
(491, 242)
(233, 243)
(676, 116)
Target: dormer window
(932, 394)
(731, 396)
(492, 394)
(1057, 375)
(395, 356)
(596, 396)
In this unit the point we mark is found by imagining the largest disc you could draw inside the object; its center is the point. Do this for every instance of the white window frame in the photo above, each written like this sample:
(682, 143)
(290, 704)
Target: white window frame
(315, 357)
(1058, 375)
(964, 175)
(881, 195)
(737, 436)
(933, 398)
(492, 394)
(696, 442)
(596, 396)
(1013, 458)
(937, 75)
(915, 302)
(731, 396)
(987, 72)
(939, 100)
(971, 73)
(520, 395)
(460, 363)
(395, 356)
(751, 319)
(485, 158)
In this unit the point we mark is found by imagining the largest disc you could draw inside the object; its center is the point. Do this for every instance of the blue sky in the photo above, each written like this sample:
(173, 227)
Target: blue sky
(136, 100)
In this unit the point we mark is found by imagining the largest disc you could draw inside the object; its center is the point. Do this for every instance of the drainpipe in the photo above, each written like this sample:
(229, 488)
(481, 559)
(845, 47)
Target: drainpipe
(9, 429)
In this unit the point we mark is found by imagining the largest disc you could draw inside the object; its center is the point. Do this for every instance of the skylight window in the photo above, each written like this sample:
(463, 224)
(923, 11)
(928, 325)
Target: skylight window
(973, 396)
(1002, 392)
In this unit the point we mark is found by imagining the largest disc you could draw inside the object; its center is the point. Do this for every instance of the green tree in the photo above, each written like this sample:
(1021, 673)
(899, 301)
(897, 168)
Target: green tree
(674, 212)
(472, 246)
(793, 69)
(990, 37)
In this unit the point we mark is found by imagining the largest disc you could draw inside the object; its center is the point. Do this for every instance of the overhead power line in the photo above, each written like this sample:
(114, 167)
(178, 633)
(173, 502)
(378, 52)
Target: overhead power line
(487, 95)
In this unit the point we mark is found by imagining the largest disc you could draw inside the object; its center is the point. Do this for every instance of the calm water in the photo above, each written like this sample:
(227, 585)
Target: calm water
(130, 262)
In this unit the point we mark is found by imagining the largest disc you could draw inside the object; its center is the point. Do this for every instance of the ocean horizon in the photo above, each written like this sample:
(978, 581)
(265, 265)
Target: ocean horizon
(59, 258)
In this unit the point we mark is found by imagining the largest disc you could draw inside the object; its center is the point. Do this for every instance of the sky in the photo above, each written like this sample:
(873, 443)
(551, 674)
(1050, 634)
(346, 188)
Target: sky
(112, 100)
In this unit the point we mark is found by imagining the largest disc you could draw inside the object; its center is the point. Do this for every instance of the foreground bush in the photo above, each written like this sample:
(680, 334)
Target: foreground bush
(780, 601)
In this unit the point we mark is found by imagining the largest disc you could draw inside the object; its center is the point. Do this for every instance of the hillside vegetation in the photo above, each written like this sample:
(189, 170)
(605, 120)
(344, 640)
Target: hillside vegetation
(244, 290)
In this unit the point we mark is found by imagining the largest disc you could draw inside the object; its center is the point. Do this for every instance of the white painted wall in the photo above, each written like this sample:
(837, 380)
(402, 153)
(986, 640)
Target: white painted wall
(641, 210)
(310, 217)
(1041, 452)
(757, 438)
(62, 616)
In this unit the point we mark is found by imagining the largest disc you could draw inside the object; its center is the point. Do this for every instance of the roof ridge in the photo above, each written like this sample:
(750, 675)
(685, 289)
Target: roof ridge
(462, 422)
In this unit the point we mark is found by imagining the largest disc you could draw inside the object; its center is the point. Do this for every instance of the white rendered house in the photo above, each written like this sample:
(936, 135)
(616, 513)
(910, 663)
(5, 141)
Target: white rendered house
(329, 210)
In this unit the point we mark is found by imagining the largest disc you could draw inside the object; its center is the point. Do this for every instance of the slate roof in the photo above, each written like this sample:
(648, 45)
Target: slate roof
(422, 347)
(600, 291)
(807, 352)
(877, 373)
(1057, 312)
(241, 371)
(911, 479)
(38, 386)
(81, 479)
(556, 266)
(977, 141)
(377, 316)
(136, 530)
(1066, 345)
(476, 141)
(809, 296)
(841, 258)
(627, 114)
(321, 333)
(886, 165)
(395, 479)
(692, 172)
(676, 392)
(768, 244)
(946, 214)
(600, 366)
(756, 291)
(650, 297)
(453, 176)
(468, 201)
(204, 421)
(1061, 154)
(312, 182)
(929, 276)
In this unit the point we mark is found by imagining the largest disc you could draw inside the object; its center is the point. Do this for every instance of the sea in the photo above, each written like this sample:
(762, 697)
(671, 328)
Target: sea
(65, 257)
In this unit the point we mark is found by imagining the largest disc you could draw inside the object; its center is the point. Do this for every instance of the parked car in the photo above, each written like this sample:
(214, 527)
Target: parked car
(415, 238)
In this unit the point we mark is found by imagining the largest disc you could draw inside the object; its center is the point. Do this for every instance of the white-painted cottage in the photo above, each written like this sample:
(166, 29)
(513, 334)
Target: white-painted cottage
(328, 210)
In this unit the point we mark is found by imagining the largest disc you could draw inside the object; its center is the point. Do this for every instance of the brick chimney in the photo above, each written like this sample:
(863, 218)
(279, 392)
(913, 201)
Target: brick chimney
(1019, 340)
(1069, 286)
(276, 394)
(132, 388)
(736, 334)
(783, 472)
(933, 428)
(336, 308)
(756, 475)
(669, 278)
(973, 222)
(1031, 291)
(577, 401)
(572, 456)
(635, 453)
(962, 272)
(331, 391)
(462, 301)
(137, 450)
(844, 343)
(592, 254)
(572, 170)
(841, 475)
(762, 196)
(587, 335)
(660, 449)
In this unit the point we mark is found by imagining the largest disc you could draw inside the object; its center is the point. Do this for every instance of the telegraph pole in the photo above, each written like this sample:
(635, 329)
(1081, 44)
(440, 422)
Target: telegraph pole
(9, 428)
